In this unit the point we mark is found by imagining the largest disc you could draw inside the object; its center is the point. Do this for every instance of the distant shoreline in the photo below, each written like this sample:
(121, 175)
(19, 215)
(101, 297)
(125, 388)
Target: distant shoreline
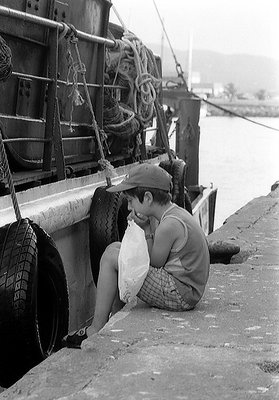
(247, 108)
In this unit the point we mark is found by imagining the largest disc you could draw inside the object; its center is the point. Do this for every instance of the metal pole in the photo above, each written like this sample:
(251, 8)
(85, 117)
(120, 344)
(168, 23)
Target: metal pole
(48, 23)
(162, 45)
(190, 54)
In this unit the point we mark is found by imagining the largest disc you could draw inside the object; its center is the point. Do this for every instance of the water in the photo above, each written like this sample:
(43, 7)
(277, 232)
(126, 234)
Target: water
(240, 158)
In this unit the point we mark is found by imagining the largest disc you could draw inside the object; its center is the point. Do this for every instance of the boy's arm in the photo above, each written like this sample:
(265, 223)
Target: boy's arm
(165, 235)
(159, 246)
(147, 225)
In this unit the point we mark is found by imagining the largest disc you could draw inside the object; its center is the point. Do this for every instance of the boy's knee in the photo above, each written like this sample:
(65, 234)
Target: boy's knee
(111, 253)
(114, 245)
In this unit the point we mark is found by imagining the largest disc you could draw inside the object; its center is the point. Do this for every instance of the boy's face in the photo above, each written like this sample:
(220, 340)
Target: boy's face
(135, 205)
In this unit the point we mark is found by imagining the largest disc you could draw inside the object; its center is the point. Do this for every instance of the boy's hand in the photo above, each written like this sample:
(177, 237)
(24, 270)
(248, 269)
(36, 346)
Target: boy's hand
(140, 219)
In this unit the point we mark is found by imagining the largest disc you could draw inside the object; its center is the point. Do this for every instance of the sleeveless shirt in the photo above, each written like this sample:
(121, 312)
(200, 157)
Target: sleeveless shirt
(189, 262)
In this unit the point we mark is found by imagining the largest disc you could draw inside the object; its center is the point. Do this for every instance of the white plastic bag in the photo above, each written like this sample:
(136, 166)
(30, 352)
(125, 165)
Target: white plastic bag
(133, 262)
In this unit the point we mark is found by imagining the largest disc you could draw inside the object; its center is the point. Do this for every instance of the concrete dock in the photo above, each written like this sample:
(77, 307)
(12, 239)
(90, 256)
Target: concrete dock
(226, 348)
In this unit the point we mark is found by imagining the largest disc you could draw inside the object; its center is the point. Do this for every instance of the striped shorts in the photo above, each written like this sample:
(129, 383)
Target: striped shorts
(159, 290)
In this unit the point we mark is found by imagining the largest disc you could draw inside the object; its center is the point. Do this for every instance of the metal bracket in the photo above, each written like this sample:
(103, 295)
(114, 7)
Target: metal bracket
(23, 96)
(37, 7)
(60, 11)
(33, 7)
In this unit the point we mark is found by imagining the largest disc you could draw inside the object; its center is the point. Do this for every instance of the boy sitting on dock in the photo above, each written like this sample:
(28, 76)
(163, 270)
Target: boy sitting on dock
(178, 250)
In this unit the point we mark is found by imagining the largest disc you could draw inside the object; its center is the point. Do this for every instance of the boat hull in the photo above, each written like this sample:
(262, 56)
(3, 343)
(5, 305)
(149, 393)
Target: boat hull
(23, 100)
(55, 152)
(62, 210)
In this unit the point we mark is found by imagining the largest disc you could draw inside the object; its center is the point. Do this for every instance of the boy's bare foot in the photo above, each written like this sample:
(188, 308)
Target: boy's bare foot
(89, 344)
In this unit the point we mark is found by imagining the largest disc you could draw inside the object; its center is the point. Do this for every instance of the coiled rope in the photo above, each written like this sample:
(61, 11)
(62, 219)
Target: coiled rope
(119, 120)
(5, 60)
(146, 84)
(147, 79)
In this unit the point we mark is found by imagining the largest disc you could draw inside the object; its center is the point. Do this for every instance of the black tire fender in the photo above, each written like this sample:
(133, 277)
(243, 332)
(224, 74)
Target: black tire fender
(18, 287)
(177, 169)
(52, 295)
(107, 224)
(33, 298)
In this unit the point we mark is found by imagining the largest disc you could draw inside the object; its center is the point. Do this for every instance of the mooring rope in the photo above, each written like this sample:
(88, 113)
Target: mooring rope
(181, 75)
(233, 113)
(177, 64)
(226, 110)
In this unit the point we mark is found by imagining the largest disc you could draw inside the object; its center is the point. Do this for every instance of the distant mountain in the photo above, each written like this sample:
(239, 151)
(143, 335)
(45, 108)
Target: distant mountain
(248, 73)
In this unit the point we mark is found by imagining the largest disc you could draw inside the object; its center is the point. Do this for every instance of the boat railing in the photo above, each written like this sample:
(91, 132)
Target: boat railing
(53, 132)
(48, 23)
(48, 80)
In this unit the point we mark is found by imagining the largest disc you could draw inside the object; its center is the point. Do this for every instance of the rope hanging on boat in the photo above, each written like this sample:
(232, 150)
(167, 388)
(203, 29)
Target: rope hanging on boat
(5, 60)
(5, 171)
(71, 36)
(73, 69)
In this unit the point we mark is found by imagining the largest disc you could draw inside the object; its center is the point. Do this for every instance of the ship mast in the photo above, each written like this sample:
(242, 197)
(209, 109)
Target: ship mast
(190, 56)
(162, 44)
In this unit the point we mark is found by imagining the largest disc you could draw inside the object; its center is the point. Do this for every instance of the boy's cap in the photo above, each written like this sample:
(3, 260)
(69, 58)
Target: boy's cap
(145, 175)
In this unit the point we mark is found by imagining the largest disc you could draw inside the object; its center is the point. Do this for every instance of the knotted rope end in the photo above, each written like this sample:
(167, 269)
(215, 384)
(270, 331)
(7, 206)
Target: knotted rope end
(108, 168)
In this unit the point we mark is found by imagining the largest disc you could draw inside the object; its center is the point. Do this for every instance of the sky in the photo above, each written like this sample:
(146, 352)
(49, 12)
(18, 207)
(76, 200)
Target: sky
(225, 26)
